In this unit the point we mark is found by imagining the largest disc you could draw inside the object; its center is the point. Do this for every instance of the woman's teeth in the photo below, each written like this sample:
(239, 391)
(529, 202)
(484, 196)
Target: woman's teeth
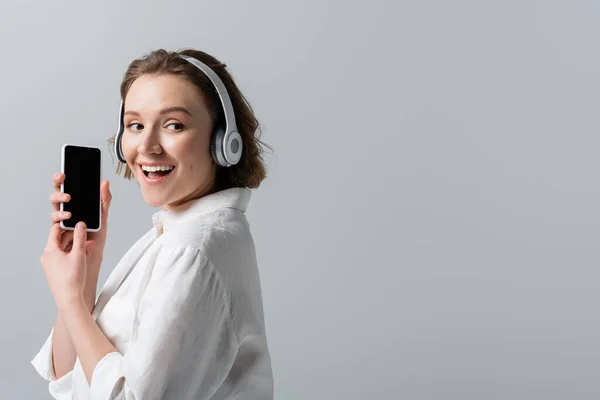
(157, 168)
(156, 171)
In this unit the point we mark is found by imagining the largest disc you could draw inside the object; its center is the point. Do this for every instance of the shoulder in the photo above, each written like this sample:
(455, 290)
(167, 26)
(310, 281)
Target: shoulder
(215, 229)
(221, 239)
(210, 233)
(214, 224)
(227, 231)
(216, 248)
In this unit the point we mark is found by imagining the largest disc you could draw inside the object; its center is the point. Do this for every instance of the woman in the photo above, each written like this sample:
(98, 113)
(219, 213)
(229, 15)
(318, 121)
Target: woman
(181, 315)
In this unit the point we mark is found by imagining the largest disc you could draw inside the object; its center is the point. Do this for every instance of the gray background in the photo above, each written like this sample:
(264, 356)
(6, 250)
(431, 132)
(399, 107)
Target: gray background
(429, 228)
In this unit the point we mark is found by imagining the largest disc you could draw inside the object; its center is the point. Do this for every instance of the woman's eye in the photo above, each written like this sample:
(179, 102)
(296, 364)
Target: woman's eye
(135, 126)
(175, 126)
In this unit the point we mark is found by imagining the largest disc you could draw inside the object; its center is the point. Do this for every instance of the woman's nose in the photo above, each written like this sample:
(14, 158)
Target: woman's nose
(150, 144)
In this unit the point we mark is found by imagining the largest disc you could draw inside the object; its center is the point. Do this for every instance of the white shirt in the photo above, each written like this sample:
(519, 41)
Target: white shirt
(183, 307)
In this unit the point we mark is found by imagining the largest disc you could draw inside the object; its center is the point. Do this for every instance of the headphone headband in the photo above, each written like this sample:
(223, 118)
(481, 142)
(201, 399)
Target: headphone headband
(228, 146)
(230, 124)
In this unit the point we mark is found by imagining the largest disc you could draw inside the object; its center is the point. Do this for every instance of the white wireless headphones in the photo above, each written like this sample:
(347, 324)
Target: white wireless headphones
(226, 142)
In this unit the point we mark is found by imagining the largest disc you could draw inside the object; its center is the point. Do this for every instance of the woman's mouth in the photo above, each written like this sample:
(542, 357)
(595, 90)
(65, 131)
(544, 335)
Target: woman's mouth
(156, 171)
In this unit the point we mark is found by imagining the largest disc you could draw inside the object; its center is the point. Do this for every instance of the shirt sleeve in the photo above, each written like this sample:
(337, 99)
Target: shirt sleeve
(60, 389)
(184, 344)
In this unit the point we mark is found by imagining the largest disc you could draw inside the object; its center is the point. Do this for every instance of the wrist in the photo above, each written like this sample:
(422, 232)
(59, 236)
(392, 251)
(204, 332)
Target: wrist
(70, 302)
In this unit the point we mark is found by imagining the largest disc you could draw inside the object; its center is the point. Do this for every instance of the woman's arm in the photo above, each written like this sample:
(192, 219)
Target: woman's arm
(63, 350)
(184, 345)
(87, 338)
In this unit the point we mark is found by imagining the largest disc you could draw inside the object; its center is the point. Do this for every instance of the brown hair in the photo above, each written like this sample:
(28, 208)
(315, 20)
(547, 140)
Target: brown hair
(251, 170)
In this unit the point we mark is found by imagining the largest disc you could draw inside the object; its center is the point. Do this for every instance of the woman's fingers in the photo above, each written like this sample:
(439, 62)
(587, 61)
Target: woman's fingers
(58, 197)
(66, 240)
(58, 216)
(57, 180)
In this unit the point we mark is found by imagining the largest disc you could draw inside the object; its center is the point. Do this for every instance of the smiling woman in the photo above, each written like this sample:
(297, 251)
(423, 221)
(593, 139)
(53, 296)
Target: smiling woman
(181, 315)
(159, 134)
(250, 171)
(185, 105)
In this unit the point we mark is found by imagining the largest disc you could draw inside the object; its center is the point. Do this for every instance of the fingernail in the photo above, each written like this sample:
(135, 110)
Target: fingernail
(80, 225)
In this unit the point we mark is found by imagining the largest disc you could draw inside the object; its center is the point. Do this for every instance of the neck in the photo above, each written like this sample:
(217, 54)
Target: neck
(183, 203)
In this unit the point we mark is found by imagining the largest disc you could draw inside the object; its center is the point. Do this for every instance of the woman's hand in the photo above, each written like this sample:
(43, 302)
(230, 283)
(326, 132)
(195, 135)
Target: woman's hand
(66, 270)
(95, 254)
(99, 238)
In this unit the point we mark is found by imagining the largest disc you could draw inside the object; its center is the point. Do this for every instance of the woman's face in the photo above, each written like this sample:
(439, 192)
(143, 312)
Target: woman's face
(167, 140)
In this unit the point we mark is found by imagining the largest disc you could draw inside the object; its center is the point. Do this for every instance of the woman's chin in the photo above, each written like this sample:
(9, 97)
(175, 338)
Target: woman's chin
(155, 201)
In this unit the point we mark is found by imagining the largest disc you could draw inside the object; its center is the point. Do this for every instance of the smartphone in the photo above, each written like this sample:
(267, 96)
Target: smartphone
(82, 168)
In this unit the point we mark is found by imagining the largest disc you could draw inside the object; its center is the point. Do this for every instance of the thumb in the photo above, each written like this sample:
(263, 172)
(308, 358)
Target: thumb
(79, 238)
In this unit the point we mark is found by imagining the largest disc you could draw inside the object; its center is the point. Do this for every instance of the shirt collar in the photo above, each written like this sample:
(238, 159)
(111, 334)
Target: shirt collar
(237, 198)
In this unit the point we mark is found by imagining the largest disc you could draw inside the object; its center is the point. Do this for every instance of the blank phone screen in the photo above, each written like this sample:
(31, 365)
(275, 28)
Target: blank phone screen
(81, 167)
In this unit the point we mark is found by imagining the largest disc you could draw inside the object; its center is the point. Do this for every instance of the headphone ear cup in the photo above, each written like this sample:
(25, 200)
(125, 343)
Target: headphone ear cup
(233, 146)
(216, 147)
